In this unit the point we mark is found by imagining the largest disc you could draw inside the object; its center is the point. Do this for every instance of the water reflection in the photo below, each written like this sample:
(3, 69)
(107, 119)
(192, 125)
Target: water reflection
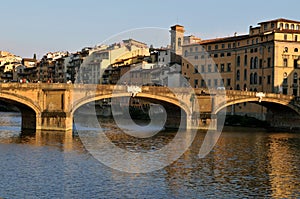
(244, 163)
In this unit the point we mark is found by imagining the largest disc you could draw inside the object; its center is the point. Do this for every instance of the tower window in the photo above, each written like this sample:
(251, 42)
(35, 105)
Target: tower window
(179, 42)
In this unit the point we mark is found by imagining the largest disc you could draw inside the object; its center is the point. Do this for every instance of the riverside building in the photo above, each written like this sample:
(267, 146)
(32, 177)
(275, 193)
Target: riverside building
(267, 59)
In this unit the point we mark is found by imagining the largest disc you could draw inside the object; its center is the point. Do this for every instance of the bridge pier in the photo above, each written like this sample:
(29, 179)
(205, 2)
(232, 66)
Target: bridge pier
(204, 122)
(28, 119)
(55, 121)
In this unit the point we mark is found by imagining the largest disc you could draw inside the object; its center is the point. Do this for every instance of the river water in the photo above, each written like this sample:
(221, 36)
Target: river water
(245, 163)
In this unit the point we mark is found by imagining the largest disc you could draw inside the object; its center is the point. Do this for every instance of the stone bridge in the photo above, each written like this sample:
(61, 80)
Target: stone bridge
(52, 106)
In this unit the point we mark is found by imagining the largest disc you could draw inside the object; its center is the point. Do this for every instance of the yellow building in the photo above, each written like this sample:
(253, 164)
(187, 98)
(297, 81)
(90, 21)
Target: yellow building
(266, 59)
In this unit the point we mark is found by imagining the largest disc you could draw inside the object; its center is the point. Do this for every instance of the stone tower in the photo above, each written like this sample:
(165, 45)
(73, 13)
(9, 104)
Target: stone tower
(177, 34)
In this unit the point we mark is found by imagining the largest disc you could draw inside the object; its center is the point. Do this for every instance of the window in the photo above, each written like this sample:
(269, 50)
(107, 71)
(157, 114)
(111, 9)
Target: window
(296, 37)
(260, 63)
(215, 55)
(195, 83)
(272, 25)
(255, 78)
(202, 56)
(229, 45)
(179, 42)
(295, 63)
(222, 67)
(269, 62)
(209, 68)
(202, 83)
(191, 49)
(297, 27)
(228, 67)
(209, 82)
(228, 82)
(286, 26)
(260, 80)
(196, 57)
(238, 61)
(269, 79)
(265, 26)
(202, 69)
(269, 49)
(284, 82)
(222, 55)
(245, 60)
(215, 82)
(216, 68)
(209, 48)
(223, 45)
(285, 37)
(251, 78)
(285, 62)
(295, 81)
(228, 54)
(196, 69)
(185, 53)
(196, 49)
(238, 75)
(187, 66)
(292, 26)
(281, 26)
(216, 47)
(286, 49)
(255, 62)
(251, 63)
(245, 74)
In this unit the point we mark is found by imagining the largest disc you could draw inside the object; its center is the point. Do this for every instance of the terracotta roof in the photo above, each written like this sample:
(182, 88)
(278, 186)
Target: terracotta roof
(219, 40)
(280, 20)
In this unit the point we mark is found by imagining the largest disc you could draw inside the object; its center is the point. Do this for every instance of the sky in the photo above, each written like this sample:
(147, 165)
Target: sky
(35, 26)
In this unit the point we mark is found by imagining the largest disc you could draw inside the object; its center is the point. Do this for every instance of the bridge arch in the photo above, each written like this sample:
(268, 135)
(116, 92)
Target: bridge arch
(30, 111)
(89, 99)
(282, 102)
(151, 97)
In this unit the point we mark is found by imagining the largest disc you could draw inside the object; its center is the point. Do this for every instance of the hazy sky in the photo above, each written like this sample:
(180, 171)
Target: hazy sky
(37, 26)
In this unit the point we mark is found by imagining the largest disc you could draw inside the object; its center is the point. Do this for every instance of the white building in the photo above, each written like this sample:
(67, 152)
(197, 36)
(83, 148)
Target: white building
(101, 57)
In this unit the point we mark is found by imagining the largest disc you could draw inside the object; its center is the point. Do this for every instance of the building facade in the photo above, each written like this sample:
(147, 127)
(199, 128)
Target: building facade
(266, 59)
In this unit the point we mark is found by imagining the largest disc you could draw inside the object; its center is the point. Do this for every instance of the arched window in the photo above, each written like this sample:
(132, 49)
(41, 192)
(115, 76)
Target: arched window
(281, 26)
(292, 26)
(245, 74)
(295, 78)
(296, 50)
(238, 75)
(251, 63)
(238, 87)
(251, 78)
(245, 60)
(255, 62)
(297, 27)
(179, 42)
(255, 78)
(238, 61)
(245, 87)
(286, 26)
